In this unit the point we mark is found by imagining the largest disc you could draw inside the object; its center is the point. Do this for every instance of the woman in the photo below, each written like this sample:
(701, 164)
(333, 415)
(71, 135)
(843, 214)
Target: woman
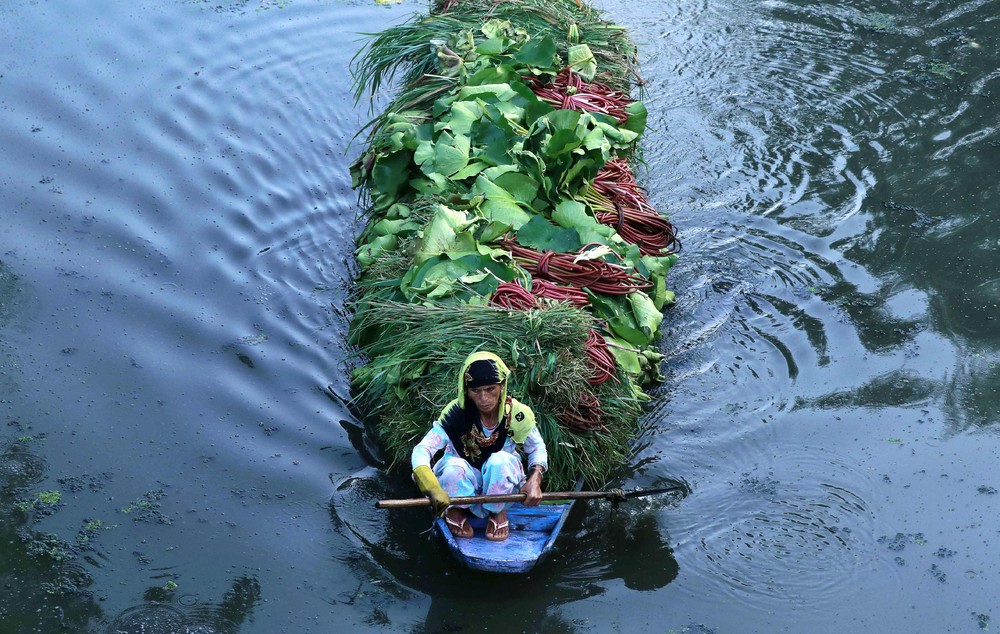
(479, 432)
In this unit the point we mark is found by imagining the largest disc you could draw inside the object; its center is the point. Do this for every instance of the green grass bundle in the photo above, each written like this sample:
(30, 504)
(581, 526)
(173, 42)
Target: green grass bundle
(412, 375)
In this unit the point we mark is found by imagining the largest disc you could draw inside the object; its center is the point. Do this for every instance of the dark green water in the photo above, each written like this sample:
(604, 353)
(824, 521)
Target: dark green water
(175, 249)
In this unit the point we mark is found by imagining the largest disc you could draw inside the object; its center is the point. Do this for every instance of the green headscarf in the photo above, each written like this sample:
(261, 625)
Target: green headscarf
(460, 419)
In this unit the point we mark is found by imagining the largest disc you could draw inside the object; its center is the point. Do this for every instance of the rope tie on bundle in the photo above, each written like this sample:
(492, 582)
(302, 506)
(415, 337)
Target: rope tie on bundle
(542, 267)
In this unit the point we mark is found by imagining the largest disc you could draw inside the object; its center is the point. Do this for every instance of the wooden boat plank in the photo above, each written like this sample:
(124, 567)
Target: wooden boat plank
(555, 532)
(540, 518)
(533, 533)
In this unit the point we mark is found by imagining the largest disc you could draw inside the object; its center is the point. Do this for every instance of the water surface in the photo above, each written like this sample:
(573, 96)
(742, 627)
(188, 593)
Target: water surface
(175, 258)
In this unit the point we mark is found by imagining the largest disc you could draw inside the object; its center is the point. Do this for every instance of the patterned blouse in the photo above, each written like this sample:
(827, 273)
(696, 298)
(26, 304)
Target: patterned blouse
(436, 439)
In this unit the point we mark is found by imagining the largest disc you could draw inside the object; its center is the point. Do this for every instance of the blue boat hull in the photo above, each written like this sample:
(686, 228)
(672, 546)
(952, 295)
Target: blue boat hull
(532, 535)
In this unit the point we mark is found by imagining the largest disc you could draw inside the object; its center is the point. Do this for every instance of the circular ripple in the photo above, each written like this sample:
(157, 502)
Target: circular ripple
(212, 618)
(188, 600)
(809, 541)
(19, 469)
(794, 531)
(148, 619)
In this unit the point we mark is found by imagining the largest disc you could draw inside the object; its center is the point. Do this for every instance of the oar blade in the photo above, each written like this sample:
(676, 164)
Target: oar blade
(640, 493)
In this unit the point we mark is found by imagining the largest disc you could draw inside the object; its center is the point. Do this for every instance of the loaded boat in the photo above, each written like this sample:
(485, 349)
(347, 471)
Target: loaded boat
(503, 214)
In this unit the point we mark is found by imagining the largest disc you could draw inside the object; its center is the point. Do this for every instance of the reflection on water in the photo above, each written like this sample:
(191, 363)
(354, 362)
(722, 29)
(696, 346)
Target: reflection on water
(190, 615)
(623, 543)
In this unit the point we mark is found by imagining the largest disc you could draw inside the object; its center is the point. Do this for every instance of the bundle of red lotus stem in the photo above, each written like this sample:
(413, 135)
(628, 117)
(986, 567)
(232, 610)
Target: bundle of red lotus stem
(618, 201)
(586, 416)
(513, 297)
(569, 92)
(548, 290)
(571, 269)
(600, 359)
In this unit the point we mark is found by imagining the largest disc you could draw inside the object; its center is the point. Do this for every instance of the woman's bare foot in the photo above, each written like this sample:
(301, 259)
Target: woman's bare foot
(497, 527)
(457, 520)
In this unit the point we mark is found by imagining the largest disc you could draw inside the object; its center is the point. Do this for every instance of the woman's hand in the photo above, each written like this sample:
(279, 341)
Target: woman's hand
(429, 486)
(533, 488)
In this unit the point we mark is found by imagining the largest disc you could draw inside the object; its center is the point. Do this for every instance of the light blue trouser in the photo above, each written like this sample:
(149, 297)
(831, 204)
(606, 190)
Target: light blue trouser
(502, 473)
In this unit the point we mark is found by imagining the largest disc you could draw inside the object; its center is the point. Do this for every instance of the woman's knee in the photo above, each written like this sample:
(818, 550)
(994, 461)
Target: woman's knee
(502, 460)
(455, 469)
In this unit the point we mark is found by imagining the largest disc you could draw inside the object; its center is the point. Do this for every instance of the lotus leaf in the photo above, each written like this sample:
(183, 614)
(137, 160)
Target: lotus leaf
(620, 319)
(447, 232)
(637, 114)
(464, 115)
(391, 171)
(542, 235)
(582, 62)
(572, 214)
(367, 253)
(451, 153)
(625, 355)
(432, 184)
(647, 315)
(442, 276)
(498, 204)
(469, 170)
(539, 51)
(521, 187)
(492, 231)
(493, 46)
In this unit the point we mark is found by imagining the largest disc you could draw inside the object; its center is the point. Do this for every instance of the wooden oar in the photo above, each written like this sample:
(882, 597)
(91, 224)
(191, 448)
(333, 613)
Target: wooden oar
(615, 495)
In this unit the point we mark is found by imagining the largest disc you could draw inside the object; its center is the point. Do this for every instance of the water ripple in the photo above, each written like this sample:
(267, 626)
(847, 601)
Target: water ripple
(796, 530)
(20, 469)
(148, 618)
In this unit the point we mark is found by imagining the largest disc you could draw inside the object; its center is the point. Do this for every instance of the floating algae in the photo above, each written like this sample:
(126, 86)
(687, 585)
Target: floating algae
(45, 585)
(879, 22)
(901, 540)
(503, 214)
(41, 504)
(160, 611)
(147, 508)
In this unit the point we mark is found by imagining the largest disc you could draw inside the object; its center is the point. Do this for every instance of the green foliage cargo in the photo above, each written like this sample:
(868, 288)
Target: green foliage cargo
(502, 215)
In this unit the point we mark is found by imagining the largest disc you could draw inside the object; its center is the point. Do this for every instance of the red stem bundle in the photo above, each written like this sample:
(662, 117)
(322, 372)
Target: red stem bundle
(513, 297)
(588, 413)
(569, 92)
(621, 203)
(548, 290)
(597, 275)
(602, 362)
(586, 416)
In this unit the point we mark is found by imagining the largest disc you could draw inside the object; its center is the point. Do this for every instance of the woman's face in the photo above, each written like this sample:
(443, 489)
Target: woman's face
(486, 397)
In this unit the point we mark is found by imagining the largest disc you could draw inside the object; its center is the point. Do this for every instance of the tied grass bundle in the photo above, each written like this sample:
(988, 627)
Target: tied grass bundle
(416, 357)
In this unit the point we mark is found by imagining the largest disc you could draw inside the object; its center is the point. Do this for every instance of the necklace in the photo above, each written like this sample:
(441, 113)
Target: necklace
(489, 422)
